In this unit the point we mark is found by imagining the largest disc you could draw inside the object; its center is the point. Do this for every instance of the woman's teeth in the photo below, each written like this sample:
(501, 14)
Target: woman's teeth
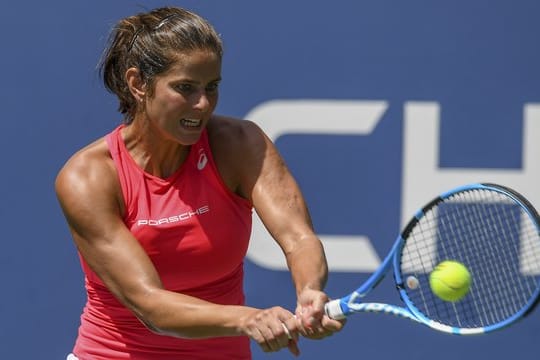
(191, 122)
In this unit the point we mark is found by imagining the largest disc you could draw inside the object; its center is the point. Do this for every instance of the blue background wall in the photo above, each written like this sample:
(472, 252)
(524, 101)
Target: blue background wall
(479, 60)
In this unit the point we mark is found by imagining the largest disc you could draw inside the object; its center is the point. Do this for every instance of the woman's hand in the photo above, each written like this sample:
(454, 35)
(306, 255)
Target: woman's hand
(273, 329)
(313, 322)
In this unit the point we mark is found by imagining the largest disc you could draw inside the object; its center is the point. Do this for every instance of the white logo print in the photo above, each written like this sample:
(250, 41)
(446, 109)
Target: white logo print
(202, 160)
(174, 218)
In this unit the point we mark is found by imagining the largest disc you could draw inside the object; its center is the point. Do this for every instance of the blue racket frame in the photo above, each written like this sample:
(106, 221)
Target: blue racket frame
(341, 308)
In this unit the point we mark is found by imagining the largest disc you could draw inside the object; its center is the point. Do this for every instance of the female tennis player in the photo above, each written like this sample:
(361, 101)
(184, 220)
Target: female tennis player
(160, 209)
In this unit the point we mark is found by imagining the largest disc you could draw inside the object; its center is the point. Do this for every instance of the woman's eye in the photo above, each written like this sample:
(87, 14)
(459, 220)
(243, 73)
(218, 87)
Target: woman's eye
(184, 88)
(212, 87)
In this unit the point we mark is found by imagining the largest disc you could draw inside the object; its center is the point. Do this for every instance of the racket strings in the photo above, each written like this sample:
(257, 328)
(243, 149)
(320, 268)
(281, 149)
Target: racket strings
(502, 302)
(495, 238)
(459, 233)
(492, 242)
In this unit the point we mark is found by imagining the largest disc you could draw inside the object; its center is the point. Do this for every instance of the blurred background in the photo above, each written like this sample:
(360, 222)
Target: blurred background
(440, 94)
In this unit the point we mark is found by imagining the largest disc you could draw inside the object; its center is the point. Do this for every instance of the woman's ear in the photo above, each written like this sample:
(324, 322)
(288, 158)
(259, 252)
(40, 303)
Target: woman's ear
(136, 86)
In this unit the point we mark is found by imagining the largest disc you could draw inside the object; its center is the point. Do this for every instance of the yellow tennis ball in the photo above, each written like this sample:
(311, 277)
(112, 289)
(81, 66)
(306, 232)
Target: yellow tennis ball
(450, 280)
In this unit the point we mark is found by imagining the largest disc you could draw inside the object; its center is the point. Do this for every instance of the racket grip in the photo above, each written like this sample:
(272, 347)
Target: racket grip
(333, 310)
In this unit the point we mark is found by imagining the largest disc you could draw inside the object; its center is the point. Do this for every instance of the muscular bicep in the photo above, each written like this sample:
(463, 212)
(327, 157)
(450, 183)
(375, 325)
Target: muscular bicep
(88, 196)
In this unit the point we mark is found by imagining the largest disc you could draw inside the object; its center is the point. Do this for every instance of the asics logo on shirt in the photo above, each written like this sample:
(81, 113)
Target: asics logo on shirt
(201, 163)
(174, 218)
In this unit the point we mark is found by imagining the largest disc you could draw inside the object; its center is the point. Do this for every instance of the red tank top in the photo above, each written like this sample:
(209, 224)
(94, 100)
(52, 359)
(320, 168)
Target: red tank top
(196, 232)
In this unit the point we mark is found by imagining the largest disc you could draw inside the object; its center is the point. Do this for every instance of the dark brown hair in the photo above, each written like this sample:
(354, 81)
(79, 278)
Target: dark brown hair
(150, 42)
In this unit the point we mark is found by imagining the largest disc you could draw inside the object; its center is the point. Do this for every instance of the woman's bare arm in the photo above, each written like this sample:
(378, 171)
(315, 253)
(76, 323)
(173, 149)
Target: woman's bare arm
(277, 198)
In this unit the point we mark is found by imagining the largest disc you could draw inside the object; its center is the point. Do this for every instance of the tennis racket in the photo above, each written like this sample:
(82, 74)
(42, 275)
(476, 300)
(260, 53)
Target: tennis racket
(491, 229)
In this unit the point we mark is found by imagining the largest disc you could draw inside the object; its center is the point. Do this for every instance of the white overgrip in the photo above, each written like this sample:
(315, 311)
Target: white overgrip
(333, 310)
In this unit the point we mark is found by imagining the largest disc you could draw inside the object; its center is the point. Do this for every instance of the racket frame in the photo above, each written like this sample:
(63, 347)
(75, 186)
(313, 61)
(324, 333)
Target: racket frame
(349, 304)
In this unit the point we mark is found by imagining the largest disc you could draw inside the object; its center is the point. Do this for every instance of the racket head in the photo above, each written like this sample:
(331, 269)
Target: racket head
(491, 229)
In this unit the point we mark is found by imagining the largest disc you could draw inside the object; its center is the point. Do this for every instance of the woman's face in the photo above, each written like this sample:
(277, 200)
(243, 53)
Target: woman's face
(185, 97)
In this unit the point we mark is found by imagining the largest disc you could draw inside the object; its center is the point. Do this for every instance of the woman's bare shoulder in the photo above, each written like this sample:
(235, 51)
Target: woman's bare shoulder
(230, 132)
(87, 171)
